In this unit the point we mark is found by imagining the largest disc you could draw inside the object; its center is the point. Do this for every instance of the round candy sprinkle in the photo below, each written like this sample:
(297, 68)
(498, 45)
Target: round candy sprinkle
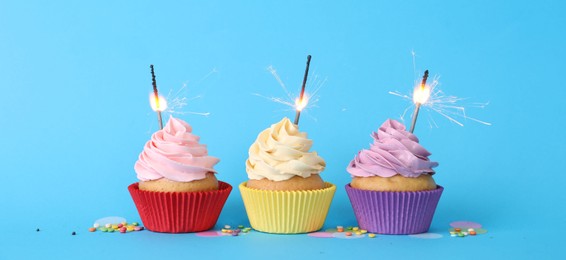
(74, 233)
(349, 228)
(473, 233)
(92, 229)
(363, 231)
(358, 233)
(340, 228)
(457, 229)
(235, 234)
(470, 229)
(371, 235)
(460, 235)
(37, 230)
(130, 228)
(108, 225)
(120, 225)
(241, 226)
(115, 226)
(103, 229)
(348, 234)
(96, 225)
(355, 228)
(110, 230)
(135, 224)
(137, 228)
(227, 226)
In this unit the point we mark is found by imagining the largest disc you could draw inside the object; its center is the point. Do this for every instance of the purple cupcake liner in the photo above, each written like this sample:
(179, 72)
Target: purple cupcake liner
(394, 213)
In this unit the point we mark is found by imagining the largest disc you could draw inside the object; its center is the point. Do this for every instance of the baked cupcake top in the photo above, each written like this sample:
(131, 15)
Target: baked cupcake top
(394, 151)
(174, 153)
(282, 152)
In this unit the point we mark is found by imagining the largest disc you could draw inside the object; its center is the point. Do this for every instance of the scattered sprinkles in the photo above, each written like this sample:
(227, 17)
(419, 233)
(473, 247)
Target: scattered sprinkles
(122, 227)
(74, 233)
(465, 228)
(226, 231)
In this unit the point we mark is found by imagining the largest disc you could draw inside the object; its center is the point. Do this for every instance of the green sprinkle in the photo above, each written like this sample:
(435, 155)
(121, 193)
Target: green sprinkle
(135, 223)
(460, 235)
(241, 226)
(349, 228)
(103, 229)
(110, 230)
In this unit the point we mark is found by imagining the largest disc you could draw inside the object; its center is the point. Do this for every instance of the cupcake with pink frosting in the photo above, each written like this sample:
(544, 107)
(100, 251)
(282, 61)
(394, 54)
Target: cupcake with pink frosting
(392, 189)
(177, 190)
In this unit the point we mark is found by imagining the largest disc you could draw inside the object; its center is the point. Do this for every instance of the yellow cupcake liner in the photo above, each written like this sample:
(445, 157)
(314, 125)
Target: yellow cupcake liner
(287, 212)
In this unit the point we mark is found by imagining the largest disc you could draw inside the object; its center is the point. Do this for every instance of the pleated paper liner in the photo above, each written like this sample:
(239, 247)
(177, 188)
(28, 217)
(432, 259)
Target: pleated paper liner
(287, 212)
(180, 212)
(394, 213)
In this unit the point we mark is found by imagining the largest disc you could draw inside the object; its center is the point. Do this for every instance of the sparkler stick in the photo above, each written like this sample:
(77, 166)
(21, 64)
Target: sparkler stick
(156, 98)
(418, 100)
(300, 102)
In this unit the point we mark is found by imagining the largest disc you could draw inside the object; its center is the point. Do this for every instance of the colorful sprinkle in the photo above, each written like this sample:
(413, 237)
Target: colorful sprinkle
(92, 229)
(74, 233)
(355, 228)
(363, 231)
(227, 226)
(348, 234)
(241, 226)
(108, 225)
(96, 225)
(473, 233)
(371, 235)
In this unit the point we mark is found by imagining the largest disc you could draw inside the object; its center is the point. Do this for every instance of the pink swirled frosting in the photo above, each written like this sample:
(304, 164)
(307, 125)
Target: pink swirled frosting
(394, 151)
(174, 153)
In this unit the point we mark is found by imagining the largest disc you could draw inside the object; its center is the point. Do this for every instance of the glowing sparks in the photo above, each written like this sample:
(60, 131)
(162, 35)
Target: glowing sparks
(310, 99)
(421, 94)
(157, 104)
(300, 104)
(432, 98)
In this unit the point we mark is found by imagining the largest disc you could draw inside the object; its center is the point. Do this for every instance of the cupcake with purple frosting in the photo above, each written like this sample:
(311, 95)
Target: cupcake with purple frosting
(392, 189)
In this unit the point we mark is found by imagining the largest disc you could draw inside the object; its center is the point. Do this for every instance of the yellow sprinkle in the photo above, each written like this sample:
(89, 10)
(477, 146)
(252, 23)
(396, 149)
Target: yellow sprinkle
(130, 228)
(355, 228)
(371, 235)
(114, 226)
(363, 231)
(358, 233)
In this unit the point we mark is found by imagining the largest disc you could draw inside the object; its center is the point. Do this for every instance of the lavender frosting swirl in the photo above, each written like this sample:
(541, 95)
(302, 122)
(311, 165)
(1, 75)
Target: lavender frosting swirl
(394, 151)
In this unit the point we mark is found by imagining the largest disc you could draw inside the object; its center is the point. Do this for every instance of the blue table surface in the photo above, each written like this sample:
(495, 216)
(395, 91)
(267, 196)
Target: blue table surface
(74, 78)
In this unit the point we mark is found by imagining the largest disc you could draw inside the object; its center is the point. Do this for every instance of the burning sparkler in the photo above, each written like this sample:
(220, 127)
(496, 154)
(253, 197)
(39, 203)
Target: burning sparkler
(298, 104)
(430, 96)
(302, 102)
(158, 103)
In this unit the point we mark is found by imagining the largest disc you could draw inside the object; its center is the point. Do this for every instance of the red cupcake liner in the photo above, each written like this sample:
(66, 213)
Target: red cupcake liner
(180, 212)
(395, 213)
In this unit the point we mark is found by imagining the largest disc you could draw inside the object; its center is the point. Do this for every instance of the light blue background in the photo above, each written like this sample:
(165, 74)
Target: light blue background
(74, 82)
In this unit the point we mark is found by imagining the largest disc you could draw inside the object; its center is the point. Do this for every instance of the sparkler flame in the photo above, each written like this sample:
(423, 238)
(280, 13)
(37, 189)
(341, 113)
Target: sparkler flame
(310, 99)
(157, 104)
(432, 98)
(421, 94)
(300, 104)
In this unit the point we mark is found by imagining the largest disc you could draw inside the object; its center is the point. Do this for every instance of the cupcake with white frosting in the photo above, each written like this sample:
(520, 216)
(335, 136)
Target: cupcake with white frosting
(285, 193)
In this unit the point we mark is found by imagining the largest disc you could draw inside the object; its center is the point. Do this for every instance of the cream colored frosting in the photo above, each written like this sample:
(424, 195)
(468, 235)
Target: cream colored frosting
(282, 152)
